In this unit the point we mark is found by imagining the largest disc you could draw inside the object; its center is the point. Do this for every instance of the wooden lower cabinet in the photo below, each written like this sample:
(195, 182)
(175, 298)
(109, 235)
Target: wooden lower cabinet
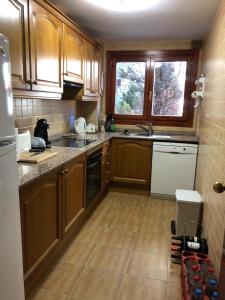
(50, 210)
(74, 192)
(40, 205)
(131, 161)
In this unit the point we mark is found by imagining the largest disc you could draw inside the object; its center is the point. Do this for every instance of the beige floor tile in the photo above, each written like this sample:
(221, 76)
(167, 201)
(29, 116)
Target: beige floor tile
(89, 235)
(117, 238)
(110, 204)
(174, 271)
(156, 226)
(43, 295)
(127, 232)
(174, 291)
(111, 259)
(98, 219)
(141, 288)
(153, 242)
(97, 285)
(134, 201)
(78, 254)
(62, 279)
(148, 265)
(122, 222)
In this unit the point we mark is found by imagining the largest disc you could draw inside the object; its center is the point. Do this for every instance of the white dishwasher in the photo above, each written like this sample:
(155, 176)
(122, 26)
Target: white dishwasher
(173, 167)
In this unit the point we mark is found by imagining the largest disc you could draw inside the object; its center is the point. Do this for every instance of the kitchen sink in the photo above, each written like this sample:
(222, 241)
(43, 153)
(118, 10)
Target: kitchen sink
(153, 136)
(160, 136)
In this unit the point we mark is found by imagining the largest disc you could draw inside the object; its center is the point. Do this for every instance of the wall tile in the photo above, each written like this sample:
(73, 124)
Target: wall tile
(211, 129)
(28, 111)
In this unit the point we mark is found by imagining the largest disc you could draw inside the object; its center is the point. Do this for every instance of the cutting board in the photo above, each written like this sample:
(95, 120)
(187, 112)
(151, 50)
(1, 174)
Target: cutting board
(33, 158)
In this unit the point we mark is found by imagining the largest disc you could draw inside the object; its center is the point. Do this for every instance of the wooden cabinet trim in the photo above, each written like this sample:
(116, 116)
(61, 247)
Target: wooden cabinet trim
(17, 32)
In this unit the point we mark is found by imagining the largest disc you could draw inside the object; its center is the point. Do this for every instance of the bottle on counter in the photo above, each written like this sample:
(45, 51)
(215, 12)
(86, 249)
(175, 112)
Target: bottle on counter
(102, 126)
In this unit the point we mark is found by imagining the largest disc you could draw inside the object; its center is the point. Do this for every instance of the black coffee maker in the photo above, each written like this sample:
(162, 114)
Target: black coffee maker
(41, 131)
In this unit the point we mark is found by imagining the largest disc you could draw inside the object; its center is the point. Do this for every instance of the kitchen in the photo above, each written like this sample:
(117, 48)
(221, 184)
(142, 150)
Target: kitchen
(51, 220)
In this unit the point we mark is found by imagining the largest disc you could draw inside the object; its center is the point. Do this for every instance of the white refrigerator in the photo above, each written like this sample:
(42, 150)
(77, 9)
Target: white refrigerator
(11, 266)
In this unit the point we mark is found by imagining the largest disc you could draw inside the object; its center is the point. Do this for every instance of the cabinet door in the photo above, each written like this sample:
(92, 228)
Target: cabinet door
(131, 161)
(46, 50)
(95, 71)
(73, 56)
(40, 204)
(13, 24)
(74, 183)
(88, 53)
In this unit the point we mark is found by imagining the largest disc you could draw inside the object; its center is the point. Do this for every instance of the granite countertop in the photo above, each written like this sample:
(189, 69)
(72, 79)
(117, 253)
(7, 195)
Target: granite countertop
(29, 172)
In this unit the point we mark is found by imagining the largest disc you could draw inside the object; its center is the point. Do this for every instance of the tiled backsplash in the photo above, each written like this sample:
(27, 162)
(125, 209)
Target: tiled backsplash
(57, 113)
(211, 128)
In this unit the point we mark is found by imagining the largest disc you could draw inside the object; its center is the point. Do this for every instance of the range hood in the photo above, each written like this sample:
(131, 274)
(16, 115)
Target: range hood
(69, 84)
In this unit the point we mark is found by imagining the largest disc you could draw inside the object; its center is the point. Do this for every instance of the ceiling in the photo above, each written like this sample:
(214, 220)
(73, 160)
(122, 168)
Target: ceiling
(169, 19)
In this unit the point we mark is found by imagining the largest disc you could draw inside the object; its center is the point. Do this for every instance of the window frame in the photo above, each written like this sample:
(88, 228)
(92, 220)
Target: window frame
(150, 57)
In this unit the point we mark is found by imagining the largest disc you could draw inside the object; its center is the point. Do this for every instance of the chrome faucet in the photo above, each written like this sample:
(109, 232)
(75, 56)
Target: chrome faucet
(148, 130)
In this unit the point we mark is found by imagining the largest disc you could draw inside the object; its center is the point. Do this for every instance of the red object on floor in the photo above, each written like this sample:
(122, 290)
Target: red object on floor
(196, 259)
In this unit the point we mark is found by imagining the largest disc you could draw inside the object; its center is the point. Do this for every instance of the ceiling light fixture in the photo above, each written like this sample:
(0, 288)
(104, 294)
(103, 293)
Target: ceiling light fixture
(124, 5)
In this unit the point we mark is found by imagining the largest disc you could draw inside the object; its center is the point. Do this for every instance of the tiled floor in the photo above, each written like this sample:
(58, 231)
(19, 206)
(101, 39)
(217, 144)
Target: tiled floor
(122, 253)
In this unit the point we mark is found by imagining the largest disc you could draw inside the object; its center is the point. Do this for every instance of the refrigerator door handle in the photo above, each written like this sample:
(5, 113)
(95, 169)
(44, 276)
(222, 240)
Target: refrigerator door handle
(7, 146)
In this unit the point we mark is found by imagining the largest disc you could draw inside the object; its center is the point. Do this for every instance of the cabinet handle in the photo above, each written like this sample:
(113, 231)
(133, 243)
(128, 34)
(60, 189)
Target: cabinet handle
(62, 172)
(150, 95)
(34, 82)
(66, 171)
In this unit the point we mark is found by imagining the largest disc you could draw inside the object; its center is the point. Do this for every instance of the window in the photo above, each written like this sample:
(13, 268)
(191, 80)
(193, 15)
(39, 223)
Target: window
(151, 86)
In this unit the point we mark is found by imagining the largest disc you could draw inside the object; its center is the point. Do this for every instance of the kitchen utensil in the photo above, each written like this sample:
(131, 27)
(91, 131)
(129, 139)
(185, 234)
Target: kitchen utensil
(90, 128)
(37, 144)
(36, 158)
(41, 130)
(80, 125)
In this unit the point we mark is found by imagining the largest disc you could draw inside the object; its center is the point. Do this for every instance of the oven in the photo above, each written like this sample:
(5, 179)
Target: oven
(93, 176)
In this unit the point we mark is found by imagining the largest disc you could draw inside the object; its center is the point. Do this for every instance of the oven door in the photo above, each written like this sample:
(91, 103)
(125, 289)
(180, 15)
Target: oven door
(93, 181)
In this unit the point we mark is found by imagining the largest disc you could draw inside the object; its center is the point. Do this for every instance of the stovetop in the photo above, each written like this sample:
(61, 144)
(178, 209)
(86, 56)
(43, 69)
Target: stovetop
(72, 142)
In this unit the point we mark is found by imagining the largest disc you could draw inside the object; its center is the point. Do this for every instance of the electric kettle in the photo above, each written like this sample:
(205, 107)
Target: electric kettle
(80, 125)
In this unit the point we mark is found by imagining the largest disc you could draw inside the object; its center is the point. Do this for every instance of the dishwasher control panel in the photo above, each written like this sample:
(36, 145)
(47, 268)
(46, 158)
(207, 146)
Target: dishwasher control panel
(175, 147)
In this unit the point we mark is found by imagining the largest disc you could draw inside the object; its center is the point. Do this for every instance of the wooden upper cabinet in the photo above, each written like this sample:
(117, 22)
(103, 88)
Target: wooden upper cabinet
(74, 183)
(131, 161)
(73, 56)
(14, 25)
(46, 50)
(91, 70)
